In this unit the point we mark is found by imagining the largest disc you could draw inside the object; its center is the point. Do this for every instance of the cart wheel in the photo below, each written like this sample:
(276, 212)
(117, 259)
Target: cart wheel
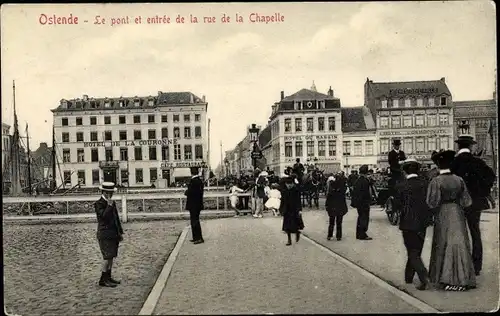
(391, 214)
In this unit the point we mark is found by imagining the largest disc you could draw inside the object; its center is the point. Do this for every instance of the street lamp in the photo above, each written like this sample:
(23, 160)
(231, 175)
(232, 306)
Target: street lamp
(464, 127)
(254, 137)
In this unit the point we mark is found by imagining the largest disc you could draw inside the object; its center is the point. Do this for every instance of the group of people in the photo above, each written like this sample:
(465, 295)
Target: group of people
(452, 200)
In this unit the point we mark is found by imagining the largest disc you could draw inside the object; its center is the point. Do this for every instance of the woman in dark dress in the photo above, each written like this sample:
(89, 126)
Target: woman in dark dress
(336, 205)
(291, 208)
(451, 266)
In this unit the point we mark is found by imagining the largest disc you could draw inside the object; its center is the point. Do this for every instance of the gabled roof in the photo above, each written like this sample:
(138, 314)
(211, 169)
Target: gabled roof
(306, 95)
(388, 89)
(174, 98)
(357, 119)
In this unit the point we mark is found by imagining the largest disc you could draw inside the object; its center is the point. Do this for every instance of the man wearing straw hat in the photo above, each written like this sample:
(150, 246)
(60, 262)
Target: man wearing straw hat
(109, 232)
(479, 178)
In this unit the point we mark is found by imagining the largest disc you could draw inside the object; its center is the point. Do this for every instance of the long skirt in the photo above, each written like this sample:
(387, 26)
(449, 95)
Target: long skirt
(451, 259)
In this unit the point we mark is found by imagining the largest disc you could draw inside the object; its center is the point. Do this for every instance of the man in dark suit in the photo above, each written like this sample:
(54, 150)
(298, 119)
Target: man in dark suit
(194, 204)
(410, 199)
(395, 156)
(479, 178)
(361, 200)
(298, 169)
(109, 232)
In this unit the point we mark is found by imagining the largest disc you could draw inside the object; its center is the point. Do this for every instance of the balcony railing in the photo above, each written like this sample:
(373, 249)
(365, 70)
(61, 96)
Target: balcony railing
(108, 164)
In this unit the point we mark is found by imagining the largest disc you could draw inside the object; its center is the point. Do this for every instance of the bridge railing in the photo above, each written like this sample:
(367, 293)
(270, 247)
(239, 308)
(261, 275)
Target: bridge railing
(126, 202)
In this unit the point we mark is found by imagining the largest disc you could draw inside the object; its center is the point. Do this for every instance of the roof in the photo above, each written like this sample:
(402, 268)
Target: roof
(306, 95)
(491, 102)
(5, 125)
(162, 99)
(357, 119)
(265, 136)
(388, 89)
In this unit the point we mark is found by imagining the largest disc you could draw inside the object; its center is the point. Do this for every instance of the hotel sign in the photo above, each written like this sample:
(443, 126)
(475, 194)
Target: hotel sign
(129, 143)
(413, 91)
(416, 132)
(311, 137)
(182, 164)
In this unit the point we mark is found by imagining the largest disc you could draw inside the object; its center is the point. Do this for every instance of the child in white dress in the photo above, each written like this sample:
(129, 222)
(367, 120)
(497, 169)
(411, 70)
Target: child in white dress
(233, 198)
(274, 201)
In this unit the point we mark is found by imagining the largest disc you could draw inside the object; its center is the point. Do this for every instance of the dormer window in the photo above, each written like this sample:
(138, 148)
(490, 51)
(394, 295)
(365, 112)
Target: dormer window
(78, 105)
(395, 103)
(443, 101)
(121, 103)
(93, 104)
(137, 102)
(384, 104)
(107, 104)
(151, 102)
(407, 103)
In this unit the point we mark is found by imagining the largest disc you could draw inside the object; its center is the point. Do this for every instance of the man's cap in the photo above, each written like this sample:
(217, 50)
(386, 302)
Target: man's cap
(108, 187)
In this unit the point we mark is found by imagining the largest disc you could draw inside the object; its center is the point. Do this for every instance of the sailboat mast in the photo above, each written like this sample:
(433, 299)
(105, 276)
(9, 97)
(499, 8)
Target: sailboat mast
(53, 184)
(30, 189)
(15, 151)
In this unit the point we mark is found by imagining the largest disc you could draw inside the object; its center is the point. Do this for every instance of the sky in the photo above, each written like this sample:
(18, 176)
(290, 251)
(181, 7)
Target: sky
(240, 67)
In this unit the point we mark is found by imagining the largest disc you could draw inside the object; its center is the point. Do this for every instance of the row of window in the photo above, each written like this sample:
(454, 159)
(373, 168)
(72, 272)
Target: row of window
(139, 176)
(417, 145)
(358, 148)
(414, 121)
(122, 119)
(123, 135)
(310, 149)
(185, 151)
(410, 102)
(310, 124)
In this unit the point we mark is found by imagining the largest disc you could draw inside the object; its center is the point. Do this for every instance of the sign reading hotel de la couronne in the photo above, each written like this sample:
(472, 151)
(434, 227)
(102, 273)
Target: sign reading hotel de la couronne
(130, 143)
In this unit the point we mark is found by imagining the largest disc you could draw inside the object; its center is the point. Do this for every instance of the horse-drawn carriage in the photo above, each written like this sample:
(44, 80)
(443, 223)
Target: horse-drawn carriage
(383, 187)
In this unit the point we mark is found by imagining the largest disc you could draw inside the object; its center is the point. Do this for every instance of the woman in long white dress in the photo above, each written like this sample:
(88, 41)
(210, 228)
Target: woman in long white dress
(274, 199)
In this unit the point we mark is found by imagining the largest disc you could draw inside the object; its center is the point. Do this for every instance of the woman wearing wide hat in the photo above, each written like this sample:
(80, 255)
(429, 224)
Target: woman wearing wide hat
(451, 266)
(291, 208)
(109, 232)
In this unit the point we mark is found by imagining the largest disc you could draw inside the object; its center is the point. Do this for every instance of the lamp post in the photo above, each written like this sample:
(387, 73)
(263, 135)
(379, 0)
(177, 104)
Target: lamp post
(226, 163)
(254, 137)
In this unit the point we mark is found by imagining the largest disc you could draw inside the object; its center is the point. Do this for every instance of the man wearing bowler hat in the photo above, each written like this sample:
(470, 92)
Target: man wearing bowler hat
(396, 155)
(479, 178)
(109, 232)
(410, 198)
(194, 204)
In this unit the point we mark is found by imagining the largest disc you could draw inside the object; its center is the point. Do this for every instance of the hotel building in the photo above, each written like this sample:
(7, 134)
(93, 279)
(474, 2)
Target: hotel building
(360, 145)
(419, 113)
(132, 141)
(306, 125)
(476, 118)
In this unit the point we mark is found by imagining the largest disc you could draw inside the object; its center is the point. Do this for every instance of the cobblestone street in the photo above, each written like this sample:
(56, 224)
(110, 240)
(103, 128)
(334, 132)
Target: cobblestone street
(245, 267)
(54, 269)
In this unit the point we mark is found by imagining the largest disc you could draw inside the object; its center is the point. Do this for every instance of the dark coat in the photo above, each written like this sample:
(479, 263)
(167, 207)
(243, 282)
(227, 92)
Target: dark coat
(478, 176)
(351, 180)
(410, 199)
(361, 195)
(108, 221)
(194, 194)
(290, 199)
(394, 159)
(335, 199)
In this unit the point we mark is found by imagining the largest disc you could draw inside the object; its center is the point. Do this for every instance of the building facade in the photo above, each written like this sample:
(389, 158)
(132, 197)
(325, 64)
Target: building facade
(132, 141)
(476, 118)
(41, 165)
(5, 143)
(419, 113)
(306, 125)
(360, 144)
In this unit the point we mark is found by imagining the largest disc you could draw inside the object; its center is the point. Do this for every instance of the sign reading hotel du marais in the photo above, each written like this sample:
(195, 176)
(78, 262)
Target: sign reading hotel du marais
(311, 137)
(428, 132)
(130, 143)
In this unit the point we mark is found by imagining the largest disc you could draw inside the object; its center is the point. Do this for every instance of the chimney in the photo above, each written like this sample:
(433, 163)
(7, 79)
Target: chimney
(191, 100)
(330, 91)
(203, 99)
(282, 95)
(443, 79)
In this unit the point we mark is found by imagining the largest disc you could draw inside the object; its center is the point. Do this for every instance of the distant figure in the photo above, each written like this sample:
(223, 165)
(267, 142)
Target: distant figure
(291, 206)
(394, 157)
(451, 266)
(479, 178)
(298, 169)
(410, 199)
(233, 198)
(361, 200)
(335, 205)
(274, 199)
(109, 232)
(194, 204)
